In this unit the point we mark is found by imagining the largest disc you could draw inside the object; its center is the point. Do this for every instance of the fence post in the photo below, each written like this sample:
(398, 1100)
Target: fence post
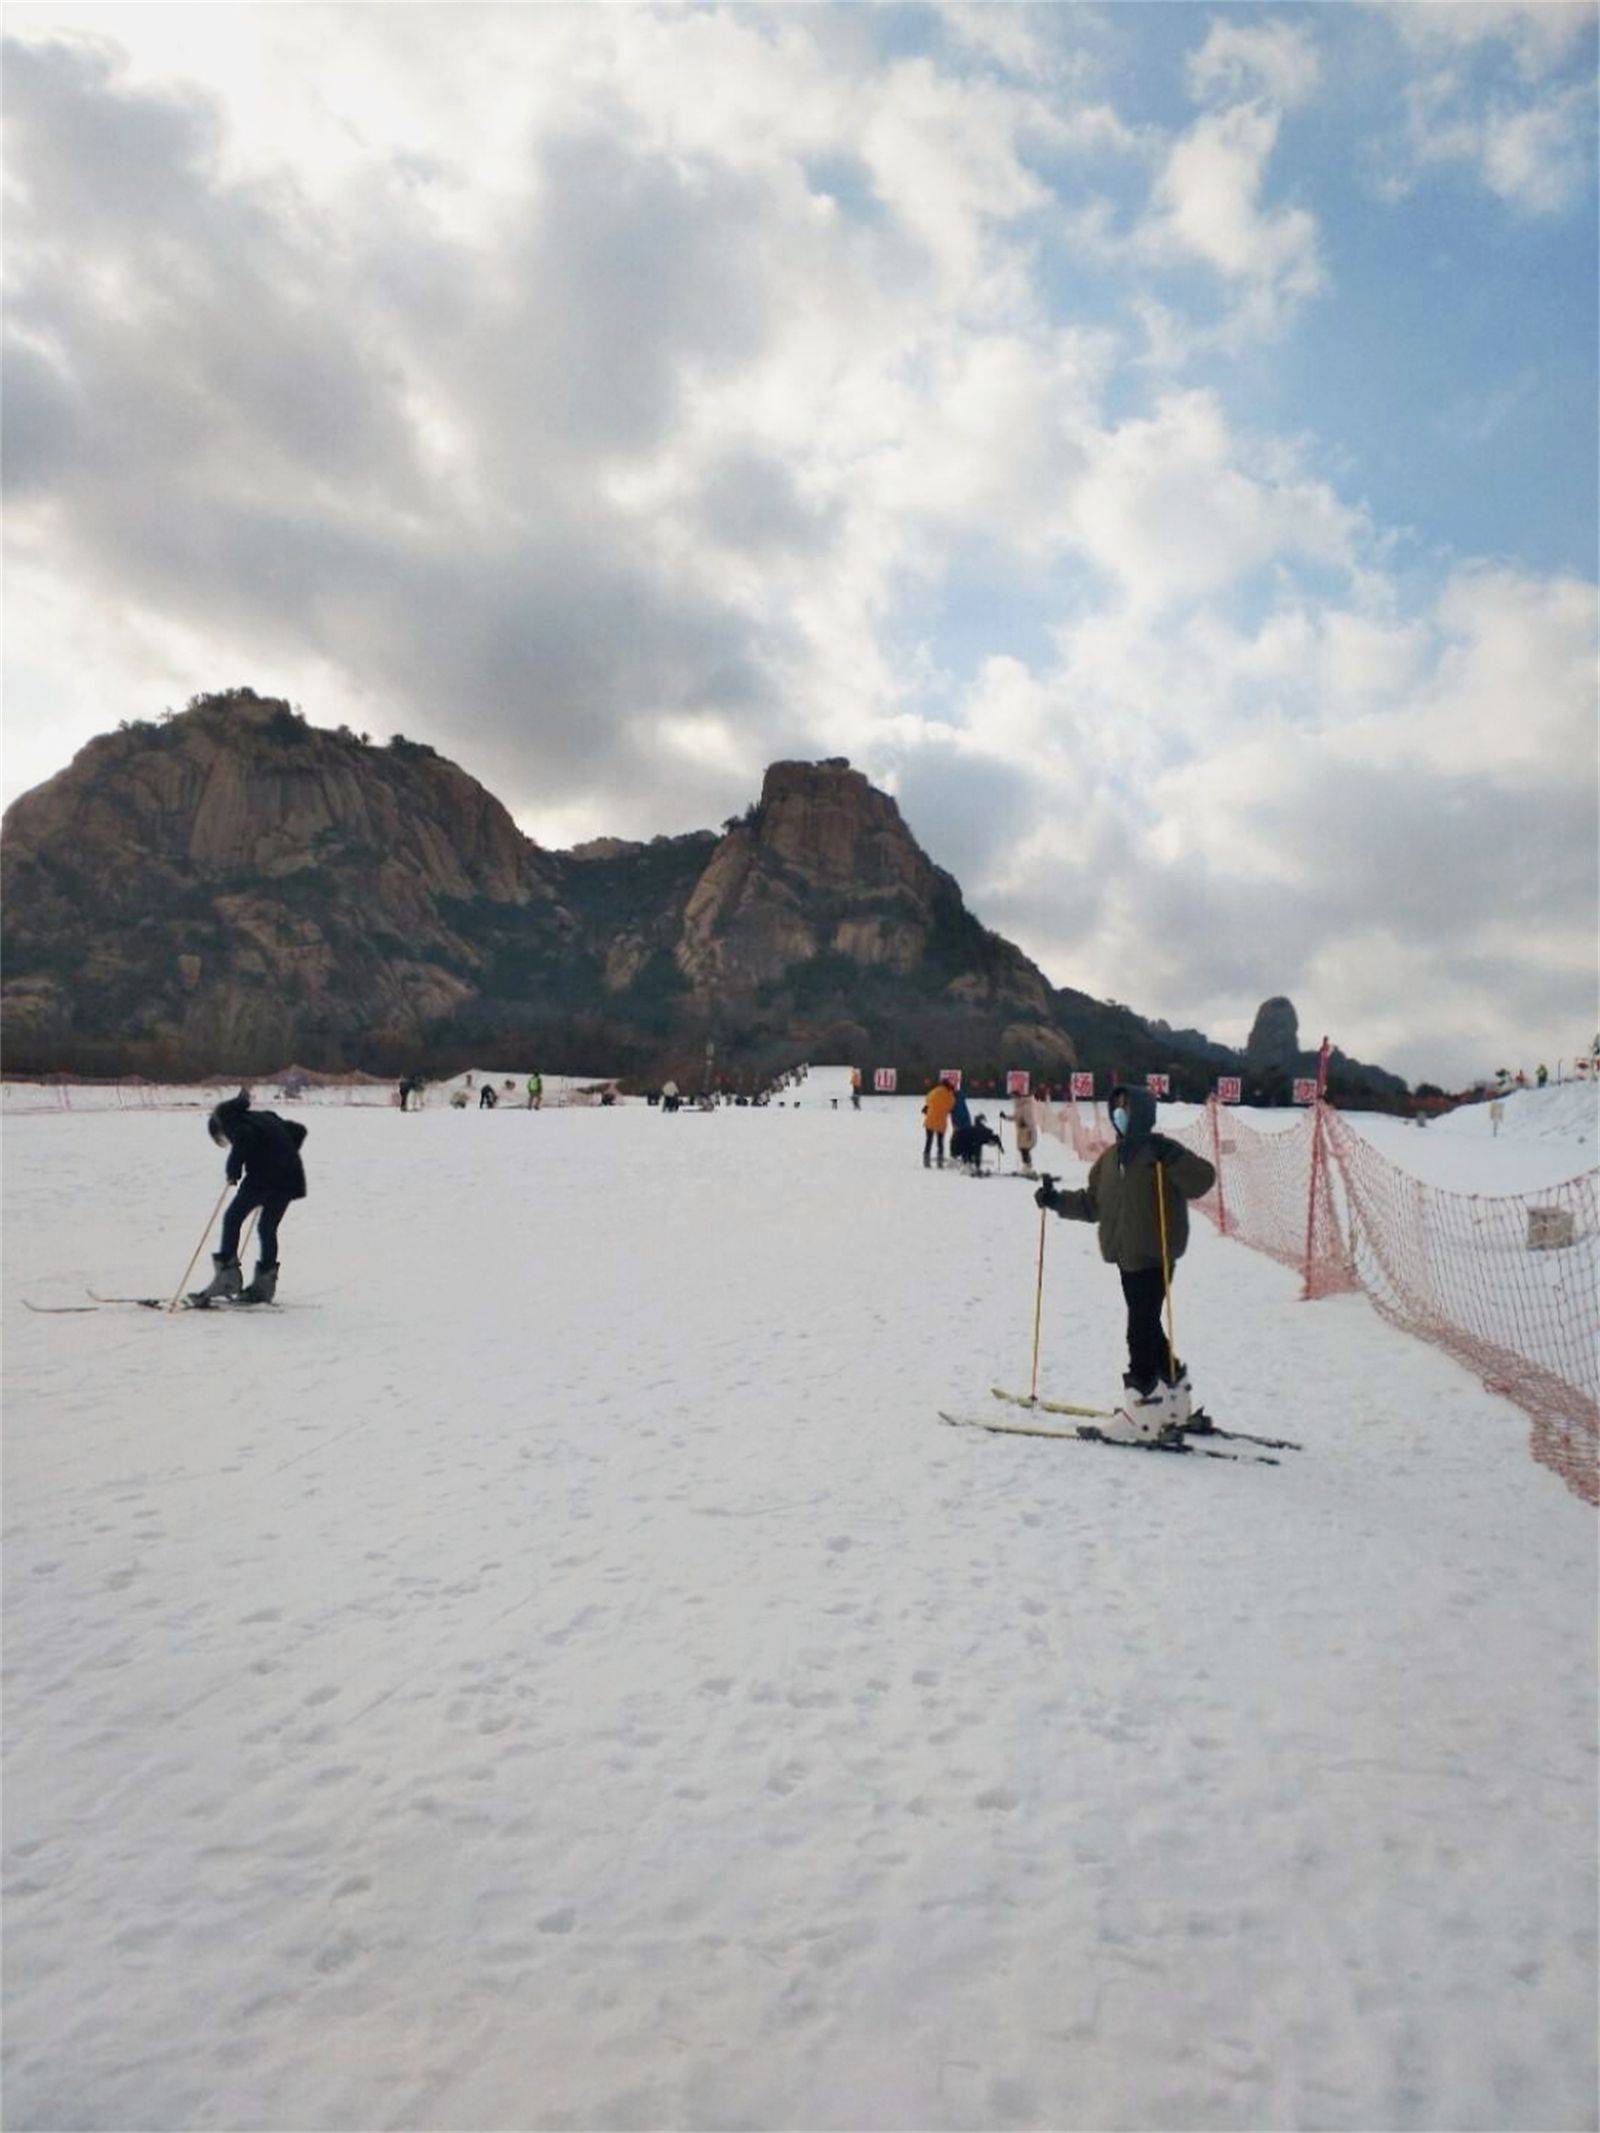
(1216, 1156)
(1311, 1198)
(1318, 1160)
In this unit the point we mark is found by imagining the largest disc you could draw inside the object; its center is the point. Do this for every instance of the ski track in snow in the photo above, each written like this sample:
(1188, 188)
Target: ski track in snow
(571, 1680)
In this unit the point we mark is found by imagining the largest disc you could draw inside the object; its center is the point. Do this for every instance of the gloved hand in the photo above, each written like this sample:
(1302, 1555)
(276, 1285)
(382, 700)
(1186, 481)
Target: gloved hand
(1047, 1196)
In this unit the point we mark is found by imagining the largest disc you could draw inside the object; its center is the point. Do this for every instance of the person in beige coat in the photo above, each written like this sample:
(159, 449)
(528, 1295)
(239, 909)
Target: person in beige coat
(1026, 1121)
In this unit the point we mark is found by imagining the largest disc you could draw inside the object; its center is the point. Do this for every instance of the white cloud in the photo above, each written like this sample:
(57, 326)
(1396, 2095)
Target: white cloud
(1540, 34)
(1207, 206)
(1537, 157)
(1503, 92)
(1242, 58)
(1169, 509)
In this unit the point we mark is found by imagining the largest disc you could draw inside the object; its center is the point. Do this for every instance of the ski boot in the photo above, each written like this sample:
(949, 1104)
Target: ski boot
(265, 1285)
(223, 1287)
(1142, 1415)
(1181, 1411)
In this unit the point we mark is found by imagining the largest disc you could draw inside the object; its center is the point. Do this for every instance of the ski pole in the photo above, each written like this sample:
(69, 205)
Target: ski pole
(1038, 1298)
(200, 1247)
(1166, 1268)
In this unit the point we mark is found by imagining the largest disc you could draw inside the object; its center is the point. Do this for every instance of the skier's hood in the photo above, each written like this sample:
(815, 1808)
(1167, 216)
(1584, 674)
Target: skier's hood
(1141, 1108)
(225, 1119)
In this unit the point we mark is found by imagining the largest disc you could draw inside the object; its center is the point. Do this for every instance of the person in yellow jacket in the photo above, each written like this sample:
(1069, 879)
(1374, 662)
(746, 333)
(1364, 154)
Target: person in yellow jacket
(937, 1105)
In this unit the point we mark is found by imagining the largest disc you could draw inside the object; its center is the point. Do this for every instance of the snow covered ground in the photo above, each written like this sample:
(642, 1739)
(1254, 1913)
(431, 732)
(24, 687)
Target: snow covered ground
(558, 1672)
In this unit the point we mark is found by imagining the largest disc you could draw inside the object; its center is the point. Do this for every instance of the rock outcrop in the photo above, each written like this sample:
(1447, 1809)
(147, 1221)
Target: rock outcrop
(1273, 1044)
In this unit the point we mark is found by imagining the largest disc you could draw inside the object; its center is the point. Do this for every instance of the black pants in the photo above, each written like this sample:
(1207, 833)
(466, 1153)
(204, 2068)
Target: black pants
(272, 1206)
(1147, 1338)
(931, 1141)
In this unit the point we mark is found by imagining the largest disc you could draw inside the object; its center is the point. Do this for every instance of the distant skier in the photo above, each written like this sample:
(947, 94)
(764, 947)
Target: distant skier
(1139, 1187)
(263, 1152)
(855, 1088)
(968, 1142)
(936, 1108)
(535, 1092)
(1026, 1121)
(487, 1099)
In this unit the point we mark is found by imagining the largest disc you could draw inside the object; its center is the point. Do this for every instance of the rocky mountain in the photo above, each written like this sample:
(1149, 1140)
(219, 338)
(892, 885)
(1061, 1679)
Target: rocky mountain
(230, 888)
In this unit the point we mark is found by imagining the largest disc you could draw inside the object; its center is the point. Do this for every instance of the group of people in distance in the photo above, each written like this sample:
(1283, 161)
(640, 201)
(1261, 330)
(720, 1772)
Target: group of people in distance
(1137, 1194)
(945, 1111)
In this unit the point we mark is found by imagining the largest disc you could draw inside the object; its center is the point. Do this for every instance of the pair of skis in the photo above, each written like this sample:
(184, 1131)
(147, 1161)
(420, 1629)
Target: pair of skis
(98, 1302)
(1087, 1430)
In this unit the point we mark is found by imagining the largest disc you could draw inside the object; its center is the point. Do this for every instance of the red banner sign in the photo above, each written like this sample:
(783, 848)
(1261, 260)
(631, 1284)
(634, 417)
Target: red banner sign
(1230, 1089)
(1305, 1092)
(952, 1075)
(1156, 1084)
(1018, 1082)
(885, 1080)
(1082, 1088)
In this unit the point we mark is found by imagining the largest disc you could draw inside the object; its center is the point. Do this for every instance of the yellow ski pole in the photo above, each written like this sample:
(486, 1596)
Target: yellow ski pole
(1166, 1271)
(1038, 1304)
(200, 1247)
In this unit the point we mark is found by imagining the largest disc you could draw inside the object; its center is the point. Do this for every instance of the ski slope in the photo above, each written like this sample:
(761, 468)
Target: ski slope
(558, 1673)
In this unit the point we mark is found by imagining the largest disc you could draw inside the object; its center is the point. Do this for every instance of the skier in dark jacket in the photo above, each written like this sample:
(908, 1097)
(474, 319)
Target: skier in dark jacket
(967, 1143)
(1138, 1192)
(264, 1162)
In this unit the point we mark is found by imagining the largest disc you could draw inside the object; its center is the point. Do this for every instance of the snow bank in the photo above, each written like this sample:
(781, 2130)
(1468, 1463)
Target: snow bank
(1545, 1137)
(558, 1672)
(1569, 1111)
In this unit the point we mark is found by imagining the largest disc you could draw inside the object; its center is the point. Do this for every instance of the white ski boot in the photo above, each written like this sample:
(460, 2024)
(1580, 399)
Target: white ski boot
(1180, 1404)
(1141, 1417)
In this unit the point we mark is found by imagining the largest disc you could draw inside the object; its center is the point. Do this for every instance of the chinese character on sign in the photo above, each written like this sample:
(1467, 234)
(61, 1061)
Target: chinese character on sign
(952, 1075)
(1156, 1084)
(1305, 1092)
(1082, 1088)
(884, 1080)
(1017, 1082)
(1230, 1089)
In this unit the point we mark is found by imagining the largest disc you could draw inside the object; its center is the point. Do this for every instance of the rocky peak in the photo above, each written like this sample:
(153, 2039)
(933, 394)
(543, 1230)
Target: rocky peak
(240, 785)
(829, 824)
(822, 864)
(231, 876)
(1274, 1040)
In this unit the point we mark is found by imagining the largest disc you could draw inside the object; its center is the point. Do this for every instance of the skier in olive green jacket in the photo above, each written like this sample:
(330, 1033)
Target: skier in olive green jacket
(1138, 1187)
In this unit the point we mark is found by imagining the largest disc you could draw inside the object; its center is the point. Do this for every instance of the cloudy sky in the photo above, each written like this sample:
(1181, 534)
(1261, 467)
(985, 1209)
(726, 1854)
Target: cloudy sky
(1158, 442)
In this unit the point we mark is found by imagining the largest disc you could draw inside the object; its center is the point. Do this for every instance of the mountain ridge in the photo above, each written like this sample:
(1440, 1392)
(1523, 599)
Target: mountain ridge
(233, 886)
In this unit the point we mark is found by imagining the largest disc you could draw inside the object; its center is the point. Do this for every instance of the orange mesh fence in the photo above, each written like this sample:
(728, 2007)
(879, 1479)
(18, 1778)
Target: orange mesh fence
(1509, 1285)
(1086, 1137)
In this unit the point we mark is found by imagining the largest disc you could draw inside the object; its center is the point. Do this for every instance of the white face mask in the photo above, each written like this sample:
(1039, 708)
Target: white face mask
(1119, 1118)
